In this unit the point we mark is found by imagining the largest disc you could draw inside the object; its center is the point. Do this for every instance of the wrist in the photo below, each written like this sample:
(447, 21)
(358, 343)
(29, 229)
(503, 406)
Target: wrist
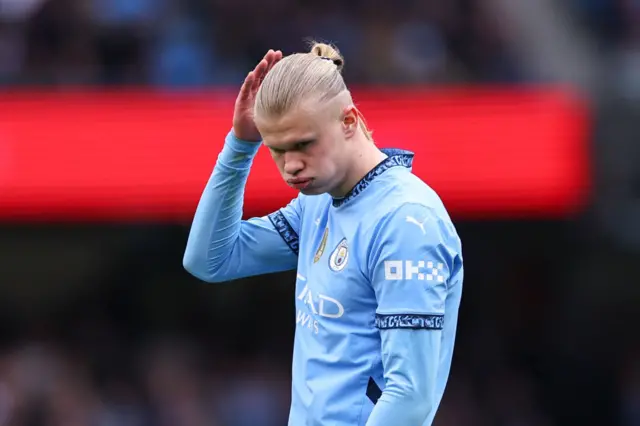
(241, 145)
(246, 138)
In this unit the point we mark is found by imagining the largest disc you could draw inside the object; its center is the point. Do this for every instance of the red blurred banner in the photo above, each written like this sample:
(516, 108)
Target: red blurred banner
(130, 156)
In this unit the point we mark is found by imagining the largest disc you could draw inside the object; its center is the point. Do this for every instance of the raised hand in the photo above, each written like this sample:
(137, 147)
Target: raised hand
(243, 121)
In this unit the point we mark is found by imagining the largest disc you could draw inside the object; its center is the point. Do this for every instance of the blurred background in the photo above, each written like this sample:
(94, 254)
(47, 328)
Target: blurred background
(523, 116)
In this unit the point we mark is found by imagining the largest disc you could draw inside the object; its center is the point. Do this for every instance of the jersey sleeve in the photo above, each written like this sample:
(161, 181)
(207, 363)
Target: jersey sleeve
(221, 246)
(410, 264)
(410, 369)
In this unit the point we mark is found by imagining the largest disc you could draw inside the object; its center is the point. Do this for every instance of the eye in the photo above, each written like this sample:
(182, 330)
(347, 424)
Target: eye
(276, 151)
(303, 144)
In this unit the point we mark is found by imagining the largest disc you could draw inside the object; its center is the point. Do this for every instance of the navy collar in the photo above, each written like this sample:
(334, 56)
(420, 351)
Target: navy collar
(395, 158)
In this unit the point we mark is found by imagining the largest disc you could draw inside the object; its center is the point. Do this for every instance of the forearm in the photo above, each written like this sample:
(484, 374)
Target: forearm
(411, 367)
(217, 221)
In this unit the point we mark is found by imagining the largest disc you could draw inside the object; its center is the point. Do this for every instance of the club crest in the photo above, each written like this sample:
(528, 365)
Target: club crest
(323, 244)
(340, 256)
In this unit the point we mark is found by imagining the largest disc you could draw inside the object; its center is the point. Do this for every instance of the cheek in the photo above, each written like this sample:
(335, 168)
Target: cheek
(329, 156)
(331, 164)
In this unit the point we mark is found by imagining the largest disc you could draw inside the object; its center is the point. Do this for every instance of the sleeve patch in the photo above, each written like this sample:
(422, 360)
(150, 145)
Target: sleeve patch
(284, 228)
(410, 321)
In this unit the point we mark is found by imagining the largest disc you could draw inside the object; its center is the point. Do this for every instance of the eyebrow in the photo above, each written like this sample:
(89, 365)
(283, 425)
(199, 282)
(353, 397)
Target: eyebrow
(291, 145)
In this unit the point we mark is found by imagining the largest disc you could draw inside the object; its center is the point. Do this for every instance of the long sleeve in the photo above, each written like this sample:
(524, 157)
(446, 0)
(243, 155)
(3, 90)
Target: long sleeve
(223, 247)
(411, 369)
(410, 264)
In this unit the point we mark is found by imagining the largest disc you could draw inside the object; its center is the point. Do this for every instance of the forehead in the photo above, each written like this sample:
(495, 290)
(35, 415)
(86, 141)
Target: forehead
(294, 126)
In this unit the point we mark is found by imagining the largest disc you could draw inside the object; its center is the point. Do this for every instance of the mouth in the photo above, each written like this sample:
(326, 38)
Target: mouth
(299, 183)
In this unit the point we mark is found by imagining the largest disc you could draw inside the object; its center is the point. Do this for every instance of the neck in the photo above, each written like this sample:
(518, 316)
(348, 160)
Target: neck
(364, 160)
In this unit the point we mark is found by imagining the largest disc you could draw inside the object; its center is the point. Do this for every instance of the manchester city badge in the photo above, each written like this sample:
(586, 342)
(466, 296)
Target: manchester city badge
(340, 256)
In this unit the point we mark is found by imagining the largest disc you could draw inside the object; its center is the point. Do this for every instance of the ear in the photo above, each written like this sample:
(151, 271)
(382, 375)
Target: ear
(350, 118)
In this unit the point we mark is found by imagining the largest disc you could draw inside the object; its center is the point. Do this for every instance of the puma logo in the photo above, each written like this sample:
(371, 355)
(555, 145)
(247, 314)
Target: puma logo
(419, 224)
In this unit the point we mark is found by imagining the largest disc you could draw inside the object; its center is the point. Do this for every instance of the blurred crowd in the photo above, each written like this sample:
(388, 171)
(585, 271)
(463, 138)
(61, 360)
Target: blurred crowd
(615, 27)
(200, 42)
(108, 330)
(186, 43)
(104, 379)
(168, 383)
(92, 374)
(171, 383)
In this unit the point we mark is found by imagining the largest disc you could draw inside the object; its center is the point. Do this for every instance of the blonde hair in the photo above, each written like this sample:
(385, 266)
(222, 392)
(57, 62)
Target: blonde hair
(316, 76)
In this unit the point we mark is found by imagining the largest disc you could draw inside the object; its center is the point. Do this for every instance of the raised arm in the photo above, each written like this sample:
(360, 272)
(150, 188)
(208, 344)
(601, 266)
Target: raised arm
(221, 246)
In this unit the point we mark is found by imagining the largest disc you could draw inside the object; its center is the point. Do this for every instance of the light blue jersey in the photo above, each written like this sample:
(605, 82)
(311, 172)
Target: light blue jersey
(378, 288)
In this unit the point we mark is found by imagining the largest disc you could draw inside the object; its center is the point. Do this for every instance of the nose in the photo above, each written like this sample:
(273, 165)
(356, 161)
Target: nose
(292, 164)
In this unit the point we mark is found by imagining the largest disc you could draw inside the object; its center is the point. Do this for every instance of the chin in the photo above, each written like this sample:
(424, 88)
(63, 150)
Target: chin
(312, 191)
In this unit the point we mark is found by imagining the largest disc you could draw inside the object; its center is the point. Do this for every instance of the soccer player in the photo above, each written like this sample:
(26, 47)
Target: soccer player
(379, 263)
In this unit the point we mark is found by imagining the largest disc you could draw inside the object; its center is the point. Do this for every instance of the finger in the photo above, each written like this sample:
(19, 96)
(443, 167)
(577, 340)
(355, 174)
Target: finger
(259, 73)
(260, 69)
(263, 67)
(245, 90)
(277, 56)
(269, 56)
